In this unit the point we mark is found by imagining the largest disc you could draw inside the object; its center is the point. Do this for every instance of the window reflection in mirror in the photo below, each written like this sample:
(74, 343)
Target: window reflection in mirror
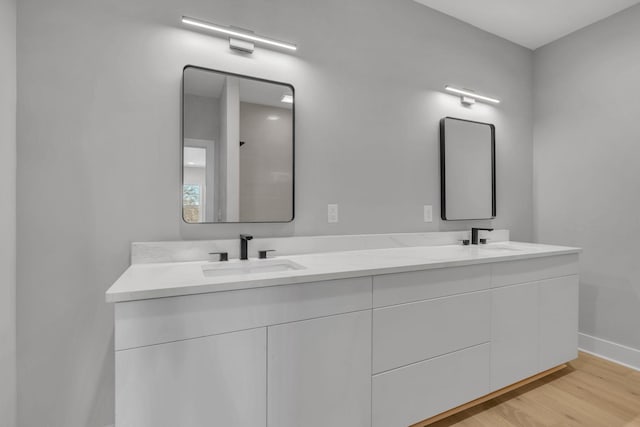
(194, 183)
(238, 144)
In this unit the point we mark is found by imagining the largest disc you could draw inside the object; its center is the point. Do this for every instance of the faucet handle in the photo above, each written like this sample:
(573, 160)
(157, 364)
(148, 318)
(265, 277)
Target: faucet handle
(263, 254)
(224, 256)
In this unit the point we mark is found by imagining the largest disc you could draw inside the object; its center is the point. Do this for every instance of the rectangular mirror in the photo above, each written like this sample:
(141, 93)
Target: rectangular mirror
(467, 169)
(238, 148)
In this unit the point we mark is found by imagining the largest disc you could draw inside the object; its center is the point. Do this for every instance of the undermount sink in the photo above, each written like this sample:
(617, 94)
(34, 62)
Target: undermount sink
(500, 248)
(249, 267)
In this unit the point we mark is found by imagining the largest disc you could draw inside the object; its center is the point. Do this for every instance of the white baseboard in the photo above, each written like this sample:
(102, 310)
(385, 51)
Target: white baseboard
(617, 353)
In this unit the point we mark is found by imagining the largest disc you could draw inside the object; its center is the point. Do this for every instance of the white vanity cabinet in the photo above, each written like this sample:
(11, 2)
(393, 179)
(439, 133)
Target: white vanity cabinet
(381, 350)
(279, 356)
(514, 334)
(213, 381)
(449, 336)
(432, 354)
(558, 321)
(319, 372)
(534, 317)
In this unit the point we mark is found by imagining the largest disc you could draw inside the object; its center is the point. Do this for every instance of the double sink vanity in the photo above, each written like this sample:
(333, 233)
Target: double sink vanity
(353, 331)
(337, 331)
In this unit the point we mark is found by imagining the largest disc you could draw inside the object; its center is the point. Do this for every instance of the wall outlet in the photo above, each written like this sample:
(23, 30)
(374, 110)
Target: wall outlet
(428, 213)
(332, 214)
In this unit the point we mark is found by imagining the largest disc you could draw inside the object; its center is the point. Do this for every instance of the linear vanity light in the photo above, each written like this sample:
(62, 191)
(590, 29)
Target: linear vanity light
(469, 97)
(238, 33)
(287, 99)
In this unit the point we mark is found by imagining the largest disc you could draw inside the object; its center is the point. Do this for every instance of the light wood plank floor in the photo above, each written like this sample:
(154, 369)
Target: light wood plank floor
(591, 392)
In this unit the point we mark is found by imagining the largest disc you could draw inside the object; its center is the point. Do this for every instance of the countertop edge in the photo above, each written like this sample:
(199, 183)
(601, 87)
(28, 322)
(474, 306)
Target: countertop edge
(147, 294)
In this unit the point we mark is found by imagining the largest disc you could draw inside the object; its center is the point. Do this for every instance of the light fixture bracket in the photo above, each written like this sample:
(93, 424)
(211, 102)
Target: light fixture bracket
(241, 45)
(467, 100)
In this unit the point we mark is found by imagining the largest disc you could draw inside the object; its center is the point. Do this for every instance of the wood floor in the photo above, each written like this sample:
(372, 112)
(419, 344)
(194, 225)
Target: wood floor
(591, 392)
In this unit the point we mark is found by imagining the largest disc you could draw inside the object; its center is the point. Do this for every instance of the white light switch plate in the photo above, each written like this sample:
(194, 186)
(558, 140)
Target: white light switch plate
(332, 213)
(428, 213)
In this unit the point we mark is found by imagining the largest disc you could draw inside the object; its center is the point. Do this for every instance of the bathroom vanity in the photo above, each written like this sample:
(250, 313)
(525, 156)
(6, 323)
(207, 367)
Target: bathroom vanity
(378, 337)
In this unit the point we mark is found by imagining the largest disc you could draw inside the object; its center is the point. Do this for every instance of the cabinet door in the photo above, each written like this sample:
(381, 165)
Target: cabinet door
(212, 381)
(514, 330)
(319, 372)
(558, 321)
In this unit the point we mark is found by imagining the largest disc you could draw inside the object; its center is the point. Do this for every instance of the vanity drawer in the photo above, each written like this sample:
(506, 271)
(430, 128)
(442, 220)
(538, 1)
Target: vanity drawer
(413, 332)
(155, 321)
(399, 288)
(532, 270)
(411, 394)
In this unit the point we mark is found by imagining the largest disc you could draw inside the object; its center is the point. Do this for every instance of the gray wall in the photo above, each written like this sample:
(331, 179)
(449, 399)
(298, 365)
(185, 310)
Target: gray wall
(7, 213)
(587, 158)
(99, 149)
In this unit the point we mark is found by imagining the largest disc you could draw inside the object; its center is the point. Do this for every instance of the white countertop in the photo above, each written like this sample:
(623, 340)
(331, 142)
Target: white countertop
(160, 280)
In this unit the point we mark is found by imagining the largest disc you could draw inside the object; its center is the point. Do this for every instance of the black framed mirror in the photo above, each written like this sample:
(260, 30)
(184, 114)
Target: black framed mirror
(237, 148)
(467, 169)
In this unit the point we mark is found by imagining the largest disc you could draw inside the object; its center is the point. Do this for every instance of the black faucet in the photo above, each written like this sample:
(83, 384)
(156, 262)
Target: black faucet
(474, 234)
(244, 239)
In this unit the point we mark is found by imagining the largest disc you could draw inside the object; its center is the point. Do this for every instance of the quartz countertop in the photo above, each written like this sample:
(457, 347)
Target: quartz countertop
(161, 280)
